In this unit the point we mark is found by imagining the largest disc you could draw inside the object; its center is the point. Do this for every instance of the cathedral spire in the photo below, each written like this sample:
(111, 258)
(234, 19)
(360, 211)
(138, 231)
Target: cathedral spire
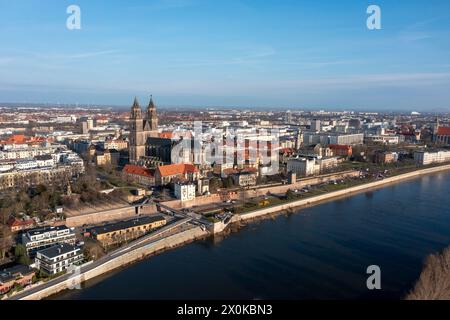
(151, 114)
(151, 105)
(136, 112)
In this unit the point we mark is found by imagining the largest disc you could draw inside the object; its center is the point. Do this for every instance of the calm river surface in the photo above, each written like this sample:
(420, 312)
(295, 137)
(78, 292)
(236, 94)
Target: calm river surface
(320, 253)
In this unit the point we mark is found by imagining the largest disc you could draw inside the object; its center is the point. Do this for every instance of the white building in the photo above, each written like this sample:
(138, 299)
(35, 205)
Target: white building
(346, 139)
(384, 139)
(309, 166)
(58, 258)
(425, 158)
(7, 165)
(303, 167)
(45, 161)
(185, 191)
(26, 164)
(327, 163)
(245, 179)
(41, 238)
(326, 138)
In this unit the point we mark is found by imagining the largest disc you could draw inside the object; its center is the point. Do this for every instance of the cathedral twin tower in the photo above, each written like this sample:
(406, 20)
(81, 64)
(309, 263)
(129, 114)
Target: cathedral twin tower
(141, 128)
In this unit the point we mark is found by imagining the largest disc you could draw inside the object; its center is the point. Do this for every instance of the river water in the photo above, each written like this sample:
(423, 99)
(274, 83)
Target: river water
(322, 252)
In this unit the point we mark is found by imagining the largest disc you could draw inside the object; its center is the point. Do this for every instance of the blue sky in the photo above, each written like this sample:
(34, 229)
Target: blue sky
(280, 54)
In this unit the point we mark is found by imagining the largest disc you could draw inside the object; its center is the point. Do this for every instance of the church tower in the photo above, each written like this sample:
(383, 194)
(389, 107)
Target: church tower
(152, 116)
(141, 128)
(137, 135)
(151, 122)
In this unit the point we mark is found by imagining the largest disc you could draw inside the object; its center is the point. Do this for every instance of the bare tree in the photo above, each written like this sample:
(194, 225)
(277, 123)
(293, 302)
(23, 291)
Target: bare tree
(5, 233)
(434, 281)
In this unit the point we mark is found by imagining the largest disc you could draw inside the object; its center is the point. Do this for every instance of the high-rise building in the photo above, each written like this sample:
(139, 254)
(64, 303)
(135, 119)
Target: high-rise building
(315, 125)
(288, 117)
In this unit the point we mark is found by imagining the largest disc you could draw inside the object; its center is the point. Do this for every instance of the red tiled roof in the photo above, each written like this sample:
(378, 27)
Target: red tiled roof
(443, 131)
(22, 139)
(16, 222)
(137, 170)
(166, 135)
(249, 170)
(230, 171)
(17, 138)
(175, 134)
(175, 169)
(286, 150)
(339, 146)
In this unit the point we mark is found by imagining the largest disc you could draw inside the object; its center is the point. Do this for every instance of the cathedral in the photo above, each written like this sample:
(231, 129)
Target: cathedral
(142, 127)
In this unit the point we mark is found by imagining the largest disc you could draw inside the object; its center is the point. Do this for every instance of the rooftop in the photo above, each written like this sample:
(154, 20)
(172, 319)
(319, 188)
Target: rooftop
(46, 229)
(339, 146)
(138, 170)
(13, 222)
(444, 131)
(179, 168)
(57, 250)
(15, 271)
(125, 224)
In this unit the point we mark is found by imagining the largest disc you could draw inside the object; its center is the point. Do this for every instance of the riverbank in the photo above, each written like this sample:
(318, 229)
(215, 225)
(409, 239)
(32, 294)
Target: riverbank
(122, 260)
(196, 233)
(297, 204)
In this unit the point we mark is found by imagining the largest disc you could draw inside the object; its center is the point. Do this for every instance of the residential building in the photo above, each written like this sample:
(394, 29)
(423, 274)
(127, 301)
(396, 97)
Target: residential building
(315, 125)
(184, 191)
(385, 157)
(341, 150)
(303, 167)
(430, 157)
(116, 144)
(138, 174)
(308, 166)
(126, 230)
(31, 177)
(327, 138)
(107, 157)
(18, 275)
(346, 139)
(17, 225)
(245, 178)
(58, 258)
(41, 238)
(180, 171)
(383, 139)
(45, 160)
(327, 163)
(321, 151)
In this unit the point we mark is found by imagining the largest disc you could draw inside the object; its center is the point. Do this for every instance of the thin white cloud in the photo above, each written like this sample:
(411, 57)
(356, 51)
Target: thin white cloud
(80, 55)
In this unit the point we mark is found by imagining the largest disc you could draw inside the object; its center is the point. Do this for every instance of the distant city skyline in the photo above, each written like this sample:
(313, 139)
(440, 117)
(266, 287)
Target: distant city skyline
(280, 54)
